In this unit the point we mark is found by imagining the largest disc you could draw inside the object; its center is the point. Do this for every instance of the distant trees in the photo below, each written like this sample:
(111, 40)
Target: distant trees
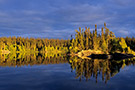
(20, 44)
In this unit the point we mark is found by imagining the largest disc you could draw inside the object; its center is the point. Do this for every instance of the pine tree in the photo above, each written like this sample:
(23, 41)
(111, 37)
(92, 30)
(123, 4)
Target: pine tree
(123, 44)
(103, 42)
(95, 39)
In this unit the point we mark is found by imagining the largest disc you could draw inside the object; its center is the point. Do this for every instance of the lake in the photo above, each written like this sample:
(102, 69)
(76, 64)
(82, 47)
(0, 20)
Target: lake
(59, 72)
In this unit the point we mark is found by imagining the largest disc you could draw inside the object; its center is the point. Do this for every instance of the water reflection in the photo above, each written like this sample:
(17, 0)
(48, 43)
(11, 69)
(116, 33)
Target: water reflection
(21, 59)
(88, 68)
(85, 69)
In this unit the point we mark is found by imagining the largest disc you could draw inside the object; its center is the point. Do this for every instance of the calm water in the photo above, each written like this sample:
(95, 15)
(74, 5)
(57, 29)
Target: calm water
(37, 72)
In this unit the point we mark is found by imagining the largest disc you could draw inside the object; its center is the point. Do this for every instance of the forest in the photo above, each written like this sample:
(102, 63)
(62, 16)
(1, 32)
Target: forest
(104, 41)
(19, 44)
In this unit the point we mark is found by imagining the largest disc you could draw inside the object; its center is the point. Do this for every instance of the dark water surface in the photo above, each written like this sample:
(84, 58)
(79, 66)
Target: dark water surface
(72, 74)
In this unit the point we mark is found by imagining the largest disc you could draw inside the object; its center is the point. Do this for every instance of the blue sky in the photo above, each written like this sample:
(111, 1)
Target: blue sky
(60, 18)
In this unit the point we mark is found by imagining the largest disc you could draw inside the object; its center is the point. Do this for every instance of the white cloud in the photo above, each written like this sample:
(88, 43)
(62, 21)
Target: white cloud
(124, 32)
(124, 3)
(63, 17)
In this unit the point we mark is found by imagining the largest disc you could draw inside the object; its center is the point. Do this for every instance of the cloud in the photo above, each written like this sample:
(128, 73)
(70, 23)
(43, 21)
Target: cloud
(32, 18)
(124, 32)
(124, 3)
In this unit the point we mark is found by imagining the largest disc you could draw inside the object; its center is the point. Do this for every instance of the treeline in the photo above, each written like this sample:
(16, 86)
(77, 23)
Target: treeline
(104, 41)
(20, 44)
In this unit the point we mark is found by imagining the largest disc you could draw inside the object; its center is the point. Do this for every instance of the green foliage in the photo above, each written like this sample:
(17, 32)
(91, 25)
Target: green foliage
(123, 43)
(85, 40)
(115, 46)
(130, 42)
(20, 44)
(106, 41)
(104, 46)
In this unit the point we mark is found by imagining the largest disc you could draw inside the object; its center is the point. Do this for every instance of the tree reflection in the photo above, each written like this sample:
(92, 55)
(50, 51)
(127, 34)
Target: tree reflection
(85, 69)
(88, 68)
(21, 59)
